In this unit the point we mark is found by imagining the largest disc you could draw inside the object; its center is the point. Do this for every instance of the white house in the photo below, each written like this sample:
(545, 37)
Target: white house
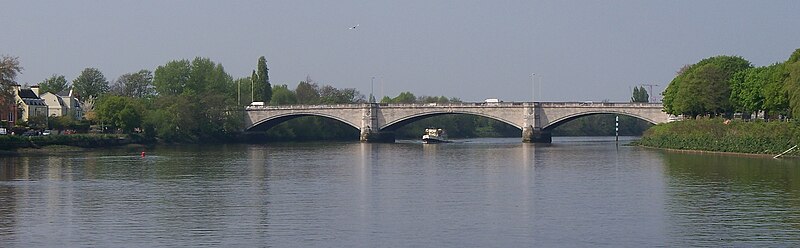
(29, 102)
(61, 104)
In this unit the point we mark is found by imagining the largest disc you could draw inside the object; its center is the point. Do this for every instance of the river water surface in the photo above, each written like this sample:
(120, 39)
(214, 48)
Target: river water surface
(576, 192)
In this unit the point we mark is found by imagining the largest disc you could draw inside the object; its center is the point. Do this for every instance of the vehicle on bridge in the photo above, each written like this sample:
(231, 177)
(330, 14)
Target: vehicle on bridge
(435, 135)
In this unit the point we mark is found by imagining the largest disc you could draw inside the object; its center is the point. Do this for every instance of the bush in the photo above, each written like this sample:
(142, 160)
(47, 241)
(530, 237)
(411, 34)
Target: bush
(756, 137)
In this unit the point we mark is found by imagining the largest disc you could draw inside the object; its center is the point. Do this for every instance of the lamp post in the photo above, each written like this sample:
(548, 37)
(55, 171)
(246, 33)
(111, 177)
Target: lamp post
(372, 90)
(533, 87)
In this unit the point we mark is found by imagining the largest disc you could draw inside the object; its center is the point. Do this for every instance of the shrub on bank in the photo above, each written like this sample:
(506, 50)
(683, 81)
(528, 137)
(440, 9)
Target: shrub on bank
(716, 135)
(8, 142)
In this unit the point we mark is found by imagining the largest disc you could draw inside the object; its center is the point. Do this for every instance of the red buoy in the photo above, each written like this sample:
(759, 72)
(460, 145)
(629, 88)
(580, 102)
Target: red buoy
(143, 154)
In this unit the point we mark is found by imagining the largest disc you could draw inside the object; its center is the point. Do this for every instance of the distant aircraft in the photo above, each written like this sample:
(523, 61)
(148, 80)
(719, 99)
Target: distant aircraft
(354, 27)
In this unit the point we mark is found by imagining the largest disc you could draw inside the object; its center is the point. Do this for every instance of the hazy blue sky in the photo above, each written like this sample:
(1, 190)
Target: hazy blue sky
(579, 50)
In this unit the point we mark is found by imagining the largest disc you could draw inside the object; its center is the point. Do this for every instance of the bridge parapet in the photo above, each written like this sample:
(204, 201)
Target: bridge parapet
(376, 121)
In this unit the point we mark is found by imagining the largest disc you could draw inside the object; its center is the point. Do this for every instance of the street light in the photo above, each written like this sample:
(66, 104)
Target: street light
(371, 90)
(533, 87)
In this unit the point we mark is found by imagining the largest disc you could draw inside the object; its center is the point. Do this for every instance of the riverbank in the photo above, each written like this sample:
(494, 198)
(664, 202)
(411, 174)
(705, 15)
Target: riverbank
(717, 135)
(12, 143)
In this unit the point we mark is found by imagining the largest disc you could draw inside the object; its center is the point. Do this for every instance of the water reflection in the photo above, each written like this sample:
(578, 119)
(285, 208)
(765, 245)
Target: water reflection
(742, 201)
(485, 193)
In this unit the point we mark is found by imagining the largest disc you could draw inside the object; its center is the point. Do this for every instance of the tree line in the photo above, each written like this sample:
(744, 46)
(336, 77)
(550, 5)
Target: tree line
(196, 100)
(724, 85)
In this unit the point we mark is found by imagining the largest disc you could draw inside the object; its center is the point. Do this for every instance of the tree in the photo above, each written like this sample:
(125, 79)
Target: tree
(792, 82)
(170, 79)
(54, 84)
(282, 95)
(727, 65)
(121, 112)
(243, 87)
(405, 97)
(307, 92)
(331, 95)
(705, 91)
(194, 102)
(9, 68)
(640, 95)
(91, 83)
(745, 90)
(137, 85)
(263, 79)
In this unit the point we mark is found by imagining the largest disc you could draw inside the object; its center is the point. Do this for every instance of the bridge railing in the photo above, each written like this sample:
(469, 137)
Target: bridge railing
(600, 104)
(461, 104)
(299, 106)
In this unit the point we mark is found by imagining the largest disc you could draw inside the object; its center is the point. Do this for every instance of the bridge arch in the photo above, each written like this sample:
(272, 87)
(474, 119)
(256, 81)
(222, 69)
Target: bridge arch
(272, 121)
(395, 124)
(557, 122)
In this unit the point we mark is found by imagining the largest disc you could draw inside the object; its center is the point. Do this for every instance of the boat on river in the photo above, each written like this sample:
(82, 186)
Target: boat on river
(435, 135)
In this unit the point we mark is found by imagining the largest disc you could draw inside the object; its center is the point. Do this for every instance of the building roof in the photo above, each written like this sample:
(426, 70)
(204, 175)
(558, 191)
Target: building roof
(30, 102)
(58, 98)
(27, 94)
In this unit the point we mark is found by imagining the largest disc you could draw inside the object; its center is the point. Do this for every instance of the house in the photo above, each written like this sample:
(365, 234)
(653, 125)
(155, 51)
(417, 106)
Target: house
(29, 103)
(55, 104)
(62, 103)
(72, 103)
(9, 114)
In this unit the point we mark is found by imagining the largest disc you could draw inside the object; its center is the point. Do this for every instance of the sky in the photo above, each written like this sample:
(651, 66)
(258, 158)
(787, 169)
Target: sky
(473, 50)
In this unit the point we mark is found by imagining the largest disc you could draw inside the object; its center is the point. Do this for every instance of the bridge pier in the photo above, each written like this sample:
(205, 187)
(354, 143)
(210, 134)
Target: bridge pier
(531, 135)
(369, 119)
(377, 137)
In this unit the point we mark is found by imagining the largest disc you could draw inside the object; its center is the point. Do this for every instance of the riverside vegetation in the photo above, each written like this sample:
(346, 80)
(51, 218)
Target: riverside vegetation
(196, 101)
(716, 89)
(716, 135)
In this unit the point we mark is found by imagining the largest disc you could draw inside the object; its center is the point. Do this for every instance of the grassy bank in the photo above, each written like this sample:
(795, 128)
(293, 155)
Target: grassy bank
(756, 137)
(12, 142)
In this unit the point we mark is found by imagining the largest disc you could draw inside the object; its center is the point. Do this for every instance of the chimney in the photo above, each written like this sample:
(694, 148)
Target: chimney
(35, 90)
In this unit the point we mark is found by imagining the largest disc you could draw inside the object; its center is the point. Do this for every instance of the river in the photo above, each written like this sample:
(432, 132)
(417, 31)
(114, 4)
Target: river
(576, 192)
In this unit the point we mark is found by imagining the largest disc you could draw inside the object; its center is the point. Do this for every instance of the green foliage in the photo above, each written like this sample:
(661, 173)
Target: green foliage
(459, 126)
(137, 85)
(724, 67)
(243, 87)
(792, 82)
(760, 88)
(90, 83)
(640, 95)
(194, 103)
(312, 128)
(53, 84)
(704, 91)
(404, 97)
(714, 135)
(307, 92)
(121, 112)
(8, 142)
(282, 95)
(602, 125)
(37, 122)
(262, 77)
(330, 95)
(433, 99)
(170, 79)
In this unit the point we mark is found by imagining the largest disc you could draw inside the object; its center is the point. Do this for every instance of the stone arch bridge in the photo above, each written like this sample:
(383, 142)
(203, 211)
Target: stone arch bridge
(378, 121)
